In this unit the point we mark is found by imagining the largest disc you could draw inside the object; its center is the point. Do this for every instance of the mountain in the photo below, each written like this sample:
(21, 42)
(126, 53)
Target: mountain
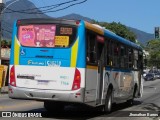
(9, 18)
(74, 16)
(142, 36)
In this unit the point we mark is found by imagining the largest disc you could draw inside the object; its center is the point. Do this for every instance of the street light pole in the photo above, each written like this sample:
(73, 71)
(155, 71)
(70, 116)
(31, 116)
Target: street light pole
(9, 5)
(1, 15)
(1, 9)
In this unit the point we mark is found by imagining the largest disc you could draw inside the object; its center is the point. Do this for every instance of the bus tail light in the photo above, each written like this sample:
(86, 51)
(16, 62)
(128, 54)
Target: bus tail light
(77, 22)
(12, 77)
(77, 80)
(18, 22)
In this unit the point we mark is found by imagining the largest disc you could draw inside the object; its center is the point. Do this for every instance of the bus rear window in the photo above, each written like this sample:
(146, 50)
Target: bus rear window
(48, 35)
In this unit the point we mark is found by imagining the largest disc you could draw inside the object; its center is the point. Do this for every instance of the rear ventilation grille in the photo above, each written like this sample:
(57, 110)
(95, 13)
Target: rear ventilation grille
(39, 56)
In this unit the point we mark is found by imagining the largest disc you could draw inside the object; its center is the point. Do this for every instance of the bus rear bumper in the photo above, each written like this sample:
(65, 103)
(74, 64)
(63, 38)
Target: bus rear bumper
(43, 95)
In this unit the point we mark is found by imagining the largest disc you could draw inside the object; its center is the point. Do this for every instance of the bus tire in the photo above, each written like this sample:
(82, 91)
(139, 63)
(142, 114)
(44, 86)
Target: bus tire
(108, 102)
(52, 106)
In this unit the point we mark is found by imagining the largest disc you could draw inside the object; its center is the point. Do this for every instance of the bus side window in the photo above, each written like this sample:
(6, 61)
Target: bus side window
(88, 48)
(130, 58)
(91, 48)
(126, 57)
(100, 46)
(135, 59)
(140, 60)
(107, 50)
(116, 55)
(123, 56)
(122, 59)
(110, 53)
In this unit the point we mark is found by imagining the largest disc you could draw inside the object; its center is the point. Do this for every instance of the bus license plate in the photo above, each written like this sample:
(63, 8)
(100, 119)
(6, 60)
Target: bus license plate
(42, 82)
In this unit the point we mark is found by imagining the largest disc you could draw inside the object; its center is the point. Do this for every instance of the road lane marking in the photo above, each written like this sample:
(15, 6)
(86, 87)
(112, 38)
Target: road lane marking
(19, 105)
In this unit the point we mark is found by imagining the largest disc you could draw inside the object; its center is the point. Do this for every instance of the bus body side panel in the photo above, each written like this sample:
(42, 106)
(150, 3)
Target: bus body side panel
(139, 82)
(122, 80)
(91, 85)
(123, 84)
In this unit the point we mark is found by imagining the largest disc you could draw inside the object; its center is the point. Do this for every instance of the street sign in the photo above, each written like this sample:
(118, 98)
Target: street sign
(2, 4)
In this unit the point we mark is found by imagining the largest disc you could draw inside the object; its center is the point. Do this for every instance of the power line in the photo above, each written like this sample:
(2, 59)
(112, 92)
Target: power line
(44, 6)
(44, 11)
(3, 29)
(66, 7)
(6, 30)
(8, 25)
(47, 10)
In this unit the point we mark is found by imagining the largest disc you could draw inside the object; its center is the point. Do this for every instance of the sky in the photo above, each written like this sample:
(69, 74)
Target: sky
(140, 14)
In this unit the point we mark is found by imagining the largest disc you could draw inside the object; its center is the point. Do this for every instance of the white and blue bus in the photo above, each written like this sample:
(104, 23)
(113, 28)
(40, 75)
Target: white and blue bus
(71, 61)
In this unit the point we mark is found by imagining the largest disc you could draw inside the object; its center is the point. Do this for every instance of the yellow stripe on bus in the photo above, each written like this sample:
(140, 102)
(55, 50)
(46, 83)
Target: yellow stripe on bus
(94, 28)
(16, 51)
(74, 53)
(92, 67)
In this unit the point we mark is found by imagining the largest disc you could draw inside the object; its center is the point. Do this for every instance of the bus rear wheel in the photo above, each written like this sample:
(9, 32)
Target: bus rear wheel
(53, 106)
(108, 102)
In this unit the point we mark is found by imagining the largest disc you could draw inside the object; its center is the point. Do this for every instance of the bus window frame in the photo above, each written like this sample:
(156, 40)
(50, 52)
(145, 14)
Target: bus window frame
(96, 52)
(109, 54)
(88, 52)
(56, 24)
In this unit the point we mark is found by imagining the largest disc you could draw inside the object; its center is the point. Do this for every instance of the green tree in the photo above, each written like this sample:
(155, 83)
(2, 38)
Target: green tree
(3, 43)
(6, 43)
(122, 31)
(118, 29)
(154, 52)
(9, 43)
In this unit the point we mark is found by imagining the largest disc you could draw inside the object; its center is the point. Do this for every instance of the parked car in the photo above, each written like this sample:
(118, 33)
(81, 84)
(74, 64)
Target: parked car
(154, 75)
(158, 75)
(149, 76)
(144, 74)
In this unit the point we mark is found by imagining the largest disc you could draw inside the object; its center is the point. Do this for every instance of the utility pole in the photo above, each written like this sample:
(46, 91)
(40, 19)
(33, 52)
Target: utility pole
(2, 3)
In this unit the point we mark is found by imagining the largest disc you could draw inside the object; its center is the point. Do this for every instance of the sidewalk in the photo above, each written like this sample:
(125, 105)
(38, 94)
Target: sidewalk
(4, 90)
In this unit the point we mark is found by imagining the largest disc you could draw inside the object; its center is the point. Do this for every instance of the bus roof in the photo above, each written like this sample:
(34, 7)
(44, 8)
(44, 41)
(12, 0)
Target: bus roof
(46, 21)
(105, 32)
(95, 28)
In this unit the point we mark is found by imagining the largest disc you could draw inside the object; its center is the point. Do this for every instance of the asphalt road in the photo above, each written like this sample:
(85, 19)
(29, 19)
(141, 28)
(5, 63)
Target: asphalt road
(143, 106)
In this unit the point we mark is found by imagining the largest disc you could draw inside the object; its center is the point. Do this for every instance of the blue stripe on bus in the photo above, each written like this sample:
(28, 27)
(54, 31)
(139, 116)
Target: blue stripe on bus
(117, 70)
(58, 56)
(120, 39)
(81, 58)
